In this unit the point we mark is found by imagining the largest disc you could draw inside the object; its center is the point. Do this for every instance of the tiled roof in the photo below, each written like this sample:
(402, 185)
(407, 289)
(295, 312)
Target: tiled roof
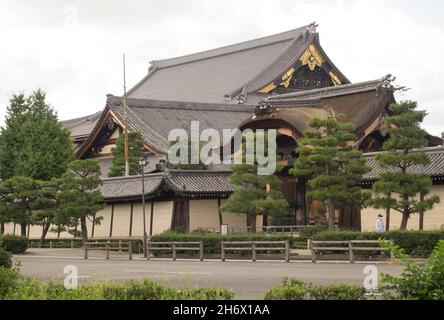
(212, 76)
(130, 187)
(362, 103)
(434, 169)
(155, 119)
(199, 181)
(184, 182)
(81, 127)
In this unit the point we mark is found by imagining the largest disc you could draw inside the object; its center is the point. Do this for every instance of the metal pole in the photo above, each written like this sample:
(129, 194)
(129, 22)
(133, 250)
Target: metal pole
(143, 212)
(126, 120)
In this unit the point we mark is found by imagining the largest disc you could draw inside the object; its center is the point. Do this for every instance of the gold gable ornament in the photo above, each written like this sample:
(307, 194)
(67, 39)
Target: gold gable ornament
(334, 78)
(312, 58)
(286, 78)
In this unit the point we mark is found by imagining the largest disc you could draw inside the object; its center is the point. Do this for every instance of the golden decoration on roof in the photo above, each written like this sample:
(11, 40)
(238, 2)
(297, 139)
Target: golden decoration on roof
(312, 58)
(334, 78)
(287, 77)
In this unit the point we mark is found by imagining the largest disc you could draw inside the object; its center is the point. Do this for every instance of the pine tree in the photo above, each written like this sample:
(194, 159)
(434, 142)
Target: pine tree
(135, 152)
(255, 194)
(81, 197)
(405, 135)
(33, 143)
(19, 197)
(328, 157)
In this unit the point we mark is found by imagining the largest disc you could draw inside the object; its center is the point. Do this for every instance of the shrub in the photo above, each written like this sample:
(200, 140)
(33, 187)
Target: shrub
(311, 230)
(418, 281)
(292, 289)
(8, 281)
(14, 244)
(211, 241)
(5, 259)
(149, 290)
(28, 289)
(416, 243)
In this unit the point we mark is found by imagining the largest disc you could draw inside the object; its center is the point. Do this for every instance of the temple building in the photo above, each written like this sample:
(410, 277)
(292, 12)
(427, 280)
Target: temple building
(276, 82)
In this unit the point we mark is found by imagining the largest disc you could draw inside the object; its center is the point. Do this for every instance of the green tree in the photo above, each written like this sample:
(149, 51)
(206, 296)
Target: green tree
(255, 194)
(33, 143)
(135, 152)
(397, 188)
(19, 197)
(329, 158)
(12, 135)
(80, 197)
(46, 205)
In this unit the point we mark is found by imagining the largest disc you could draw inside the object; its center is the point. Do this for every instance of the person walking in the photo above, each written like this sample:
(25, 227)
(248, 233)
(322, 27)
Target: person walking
(379, 224)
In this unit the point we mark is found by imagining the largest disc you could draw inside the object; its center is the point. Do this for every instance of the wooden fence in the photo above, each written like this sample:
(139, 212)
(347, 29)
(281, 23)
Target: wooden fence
(254, 247)
(347, 246)
(173, 247)
(109, 246)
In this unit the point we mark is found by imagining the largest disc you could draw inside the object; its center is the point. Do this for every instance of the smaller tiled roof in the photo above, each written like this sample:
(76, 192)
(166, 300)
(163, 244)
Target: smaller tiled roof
(199, 181)
(130, 187)
(81, 127)
(190, 183)
(435, 168)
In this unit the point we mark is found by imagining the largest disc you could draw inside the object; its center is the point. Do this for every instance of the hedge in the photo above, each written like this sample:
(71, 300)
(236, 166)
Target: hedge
(415, 243)
(212, 241)
(14, 244)
(292, 289)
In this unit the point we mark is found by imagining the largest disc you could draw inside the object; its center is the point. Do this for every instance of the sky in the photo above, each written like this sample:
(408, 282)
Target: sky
(73, 49)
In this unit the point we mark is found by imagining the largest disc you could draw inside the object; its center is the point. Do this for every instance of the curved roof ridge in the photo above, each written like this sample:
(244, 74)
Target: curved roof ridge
(334, 91)
(228, 49)
(184, 105)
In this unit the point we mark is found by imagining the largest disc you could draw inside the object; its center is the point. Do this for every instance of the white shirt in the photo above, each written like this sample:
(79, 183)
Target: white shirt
(379, 225)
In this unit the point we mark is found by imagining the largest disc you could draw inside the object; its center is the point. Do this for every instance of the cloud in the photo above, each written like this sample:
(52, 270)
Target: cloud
(74, 49)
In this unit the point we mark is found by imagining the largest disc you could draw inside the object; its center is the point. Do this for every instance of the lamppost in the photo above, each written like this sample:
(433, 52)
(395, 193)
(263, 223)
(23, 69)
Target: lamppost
(143, 162)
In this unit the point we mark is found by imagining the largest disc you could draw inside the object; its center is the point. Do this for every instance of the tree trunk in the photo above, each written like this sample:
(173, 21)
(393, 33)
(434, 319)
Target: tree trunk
(252, 222)
(84, 230)
(44, 232)
(405, 214)
(23, 229)
(2, 228)
(331, 216)
(387, 219)
(421, 213)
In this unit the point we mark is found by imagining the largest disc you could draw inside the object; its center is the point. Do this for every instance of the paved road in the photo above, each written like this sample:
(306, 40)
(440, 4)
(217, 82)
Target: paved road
(246, 279)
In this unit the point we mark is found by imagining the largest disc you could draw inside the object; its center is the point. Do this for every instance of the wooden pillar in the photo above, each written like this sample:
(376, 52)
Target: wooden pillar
(151, 217)
(221, 220)
(131, 219)
(112, 220)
